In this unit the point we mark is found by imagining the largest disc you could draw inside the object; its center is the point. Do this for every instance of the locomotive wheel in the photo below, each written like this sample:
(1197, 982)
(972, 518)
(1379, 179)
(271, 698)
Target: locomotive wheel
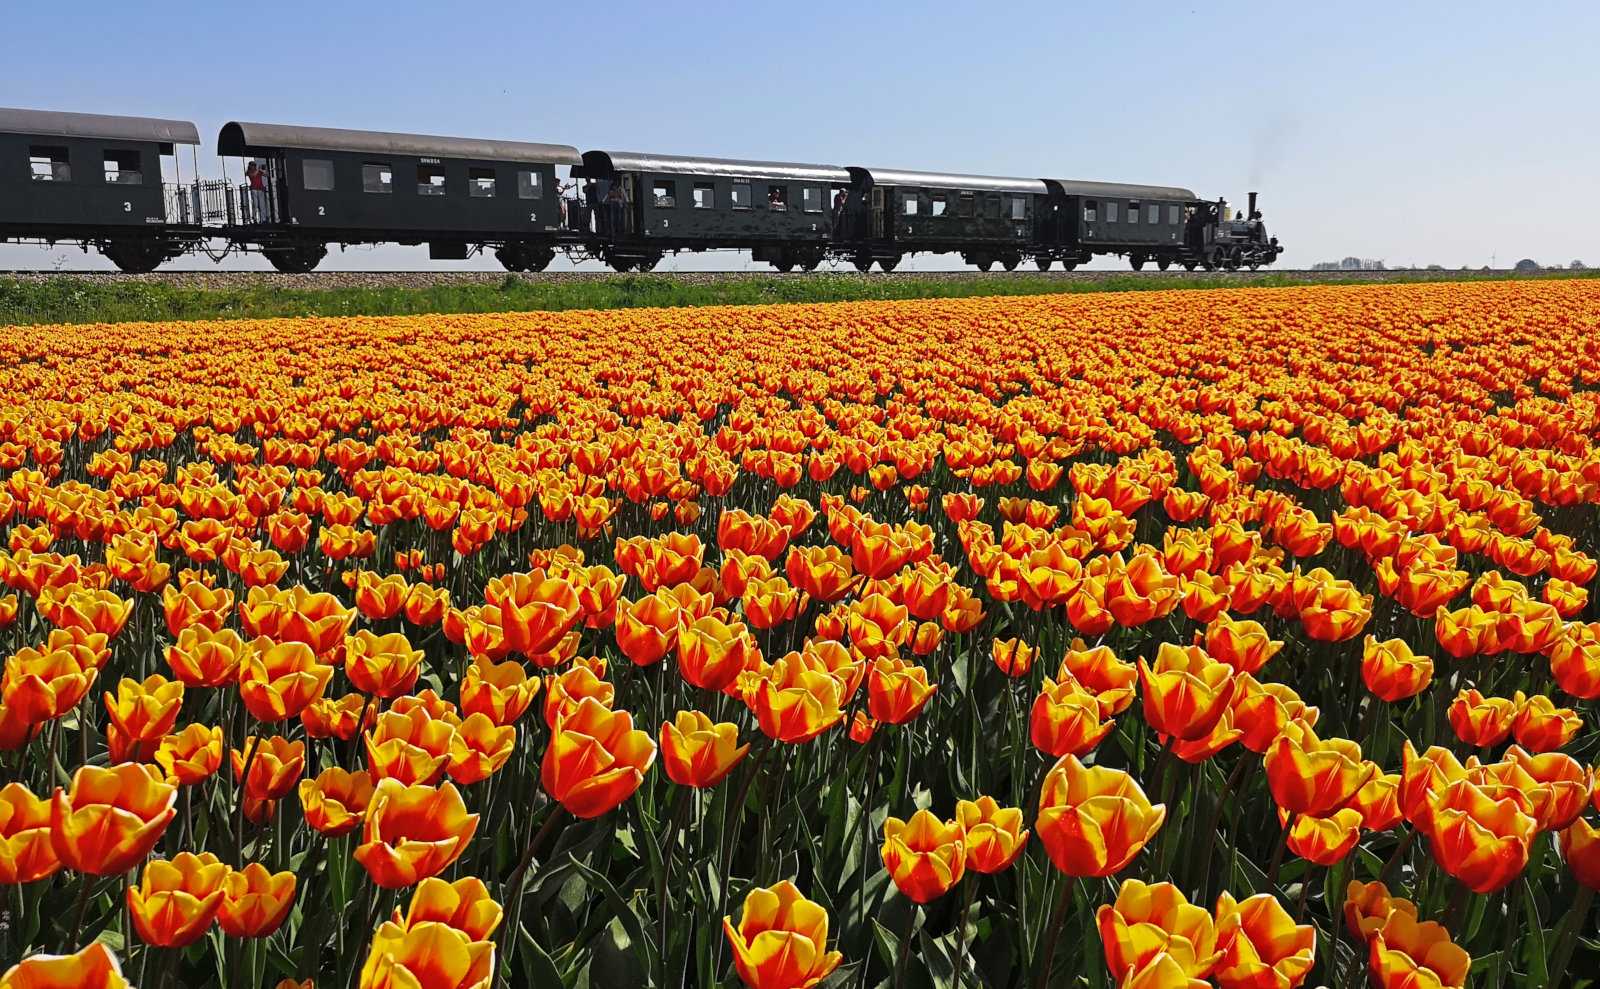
(1233, 260)
(1188, 266)
(1212, 259)
(620, 265)
(863, 262)
(810, 262)
(1043, 262)
(1136, 262)
(1163, 263)
(889, 263)
(1069, 265)
(784, 265)
(1010, 262)
(1254, 264)
(985, 264)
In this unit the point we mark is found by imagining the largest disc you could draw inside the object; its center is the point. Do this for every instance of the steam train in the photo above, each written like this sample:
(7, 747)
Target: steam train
(115, 184)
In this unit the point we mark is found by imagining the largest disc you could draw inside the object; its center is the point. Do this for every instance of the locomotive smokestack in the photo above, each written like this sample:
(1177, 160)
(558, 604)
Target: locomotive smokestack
(1252, 207)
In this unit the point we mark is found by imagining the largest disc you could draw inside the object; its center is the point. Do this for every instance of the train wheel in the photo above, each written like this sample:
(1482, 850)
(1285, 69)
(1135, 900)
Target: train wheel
(537, 258)
(648, 262)
(985, 264)
(863, 262)
(889, 263)
(1254, 265)
(295, 259)
(1212, 259)
(507, 256)
(1070, 264)
(1233, 260)
(784, 266)
(1163, 263)
(1188, 266)
(1136, 262)
(135, 257)
(1010, 262)
(1043, 262)
(811, 261)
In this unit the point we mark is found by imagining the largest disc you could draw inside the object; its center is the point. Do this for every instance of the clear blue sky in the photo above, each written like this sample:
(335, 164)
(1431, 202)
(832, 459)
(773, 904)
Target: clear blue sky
(1415, 132)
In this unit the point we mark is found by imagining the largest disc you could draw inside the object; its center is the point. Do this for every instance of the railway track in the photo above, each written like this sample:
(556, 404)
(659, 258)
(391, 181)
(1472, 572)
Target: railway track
(204, 278)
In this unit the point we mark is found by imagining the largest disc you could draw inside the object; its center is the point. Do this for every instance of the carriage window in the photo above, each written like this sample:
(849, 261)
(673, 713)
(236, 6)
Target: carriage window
(705, 195)
(967, 204)
(1152, 213)
(941, 203)
(991, 206)
(377, 178)
(664, 194)
(778, 197)
(122, 168)
(480, 183)
(430, 180)
(48, 164)
(527, 185)
(911, 204)
(1088, 211)
(1173, 214)
(1133, 212)
(741, 195)
(811, 199)
(317, 174)
(1019, 208)
(1111, 212)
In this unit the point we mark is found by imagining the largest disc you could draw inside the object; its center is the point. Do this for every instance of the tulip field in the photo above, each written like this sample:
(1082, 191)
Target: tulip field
(1240, 638)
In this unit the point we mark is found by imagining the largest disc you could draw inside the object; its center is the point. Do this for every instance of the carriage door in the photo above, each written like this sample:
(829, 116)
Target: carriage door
(630, 203)
(879, 222)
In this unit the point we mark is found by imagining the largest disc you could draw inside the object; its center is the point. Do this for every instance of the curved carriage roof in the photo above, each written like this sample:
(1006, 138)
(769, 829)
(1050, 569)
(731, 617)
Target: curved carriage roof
(58, 123)
(939, 180)
(1118, 190)
(601, 163)
(243, 137)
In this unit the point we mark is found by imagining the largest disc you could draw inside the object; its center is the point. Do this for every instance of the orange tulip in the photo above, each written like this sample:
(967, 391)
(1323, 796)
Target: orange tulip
(382, 665)
(177, 900)
(139, 715)
(566, 691)
(795, 703)
(1093, 821)
(994, 835)
(1324, 841)
(1310, 775)
(534, 611)
(1013, 656)
(595, 759)
(1262, 947)
(1368, 905)
(335, 801)
(781, 941)
(195, 604)
(95, 967)
(42, 684)
(191, 755)
(500, 691)
(109, 819)
(328, 717)
(897, 691)
(1186, 692)
(1066, 719)
(697, 752)
(1149, 920)
(712, 654)
(1482, 721)
(1100, 671)
(427, 956)
(255, 901)
(1243, 645)
(1162, 971)
(413, 832)
(410, 746)
(1481, 841)
(479, 748)
(26, 853)
(203, 657)
(380, 598)
(1553, 785)
(1404, 953)
(275, 764)
(464, 905)
(1392, 671)
(277, 681)
(1580, 849)
(925, 856)
(1260, 710)
(1540, 726)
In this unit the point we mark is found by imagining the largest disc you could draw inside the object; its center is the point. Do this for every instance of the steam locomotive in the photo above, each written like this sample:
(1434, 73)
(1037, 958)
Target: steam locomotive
(116, 185)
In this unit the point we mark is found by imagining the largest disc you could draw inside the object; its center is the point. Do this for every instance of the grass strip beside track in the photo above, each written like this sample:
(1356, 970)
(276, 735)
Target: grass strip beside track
(70, 299)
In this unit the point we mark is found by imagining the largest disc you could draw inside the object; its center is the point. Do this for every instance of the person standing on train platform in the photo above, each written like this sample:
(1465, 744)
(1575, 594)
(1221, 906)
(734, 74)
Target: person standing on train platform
(256, 177)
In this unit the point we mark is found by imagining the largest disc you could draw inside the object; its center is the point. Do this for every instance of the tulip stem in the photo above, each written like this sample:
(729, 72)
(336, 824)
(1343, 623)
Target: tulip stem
(1277, 853)
(244, 791)
(675, 822)
(1567, 937)
(1057, 920)
(905, 948)
(83, 908)
(969, 883)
